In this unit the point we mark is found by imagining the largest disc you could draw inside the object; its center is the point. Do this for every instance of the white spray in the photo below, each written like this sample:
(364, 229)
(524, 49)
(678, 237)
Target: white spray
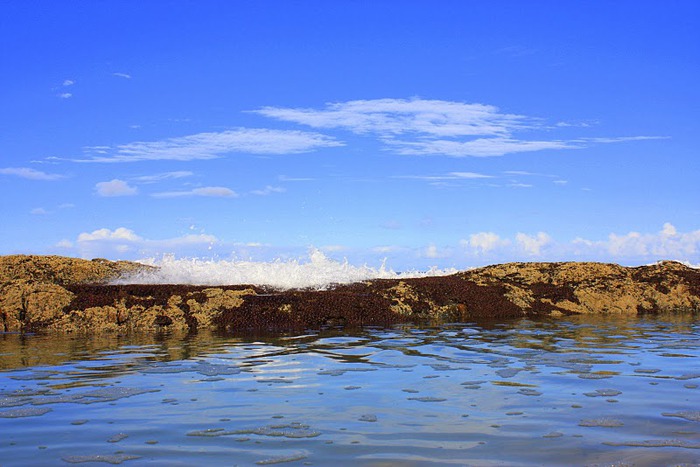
(318, 272)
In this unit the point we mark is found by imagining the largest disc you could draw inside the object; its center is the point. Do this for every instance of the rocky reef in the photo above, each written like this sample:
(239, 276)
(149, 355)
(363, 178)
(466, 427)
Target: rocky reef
(52, 293)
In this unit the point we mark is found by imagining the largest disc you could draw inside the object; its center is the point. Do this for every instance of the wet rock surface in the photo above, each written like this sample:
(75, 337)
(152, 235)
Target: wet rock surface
(74, 295)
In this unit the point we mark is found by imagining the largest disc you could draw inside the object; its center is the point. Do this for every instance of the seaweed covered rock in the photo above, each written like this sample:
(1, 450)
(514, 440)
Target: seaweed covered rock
(74, 295)
(578, 288)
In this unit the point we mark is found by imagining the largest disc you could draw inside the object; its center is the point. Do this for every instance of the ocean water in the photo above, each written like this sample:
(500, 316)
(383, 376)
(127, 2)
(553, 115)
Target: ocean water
(316, 271)
(588, 391)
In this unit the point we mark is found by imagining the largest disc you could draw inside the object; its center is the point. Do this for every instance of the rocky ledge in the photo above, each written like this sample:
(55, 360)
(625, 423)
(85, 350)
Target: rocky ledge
(55, 293)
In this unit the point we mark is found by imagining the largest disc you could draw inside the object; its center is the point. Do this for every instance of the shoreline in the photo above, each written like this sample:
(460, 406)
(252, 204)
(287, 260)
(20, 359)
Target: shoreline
(54, 293)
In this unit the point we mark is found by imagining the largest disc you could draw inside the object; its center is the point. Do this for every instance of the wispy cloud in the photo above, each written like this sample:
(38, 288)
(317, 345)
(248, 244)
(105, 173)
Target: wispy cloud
(268, 190)
(65, 95)
(68, 82)
(207, 191)
(619, 139)
(285, 178)
(482, 147)
(30, 174)
(162, 176)
(122, 75)
(213, 145)
(114, 188)
(402, 116)
(436, 127)
(447, 176)
(391, 224)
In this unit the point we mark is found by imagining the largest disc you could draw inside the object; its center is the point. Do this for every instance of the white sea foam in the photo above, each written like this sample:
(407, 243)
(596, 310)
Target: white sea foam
(318, 272)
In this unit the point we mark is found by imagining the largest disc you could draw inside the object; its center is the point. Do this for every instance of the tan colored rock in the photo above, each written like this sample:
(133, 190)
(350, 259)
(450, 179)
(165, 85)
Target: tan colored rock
(72, 295)
(62, 270)
(27, 305)
(217, 300)
(402, 296)
(577, 288)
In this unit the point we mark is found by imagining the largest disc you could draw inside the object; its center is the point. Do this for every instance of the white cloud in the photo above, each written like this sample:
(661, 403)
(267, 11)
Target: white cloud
(484, 242)
(122, 242)
(433, 252)
(435, 127)
(668, 230)
(64, 244)
(401, 116)
(39, 211)
(120, 233)
(482, 147)
(532, 245)
(207, 191)
(448, 176)
(620, 139)
(268, 190)
(213, 145)
(333, 248)
(68, 82)
(163, 176)
(115, 188)
(667, 244)
(65, 95)
(386, 249)
(122, 75)
(285, 178)
(30, 174)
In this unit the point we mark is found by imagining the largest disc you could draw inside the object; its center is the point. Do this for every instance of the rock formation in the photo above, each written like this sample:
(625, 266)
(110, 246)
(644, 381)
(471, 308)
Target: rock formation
(72, 295)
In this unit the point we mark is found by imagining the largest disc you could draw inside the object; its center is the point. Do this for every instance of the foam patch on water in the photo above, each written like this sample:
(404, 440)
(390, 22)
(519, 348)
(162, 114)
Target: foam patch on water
(318, 271)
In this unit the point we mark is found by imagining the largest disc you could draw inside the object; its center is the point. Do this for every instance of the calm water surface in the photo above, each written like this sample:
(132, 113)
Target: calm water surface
(616, 391)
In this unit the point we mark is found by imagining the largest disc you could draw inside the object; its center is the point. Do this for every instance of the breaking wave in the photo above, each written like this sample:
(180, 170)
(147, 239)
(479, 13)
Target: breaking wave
(318, 272)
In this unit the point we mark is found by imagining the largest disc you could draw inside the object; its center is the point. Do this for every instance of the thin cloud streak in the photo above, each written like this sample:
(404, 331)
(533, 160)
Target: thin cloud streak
(163, 176)
(448, 176)
(268, 190)
(30, 174)
(213, 145)
(482, 147)
(207, 191)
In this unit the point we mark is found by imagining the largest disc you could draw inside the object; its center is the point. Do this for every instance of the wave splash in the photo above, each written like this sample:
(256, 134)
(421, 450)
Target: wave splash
(318, 272)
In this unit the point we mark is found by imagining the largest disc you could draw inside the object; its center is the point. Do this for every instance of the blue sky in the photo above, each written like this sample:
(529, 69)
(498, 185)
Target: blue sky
(449, 134)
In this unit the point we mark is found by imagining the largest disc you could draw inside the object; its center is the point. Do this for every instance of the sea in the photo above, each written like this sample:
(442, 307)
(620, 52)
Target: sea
(586, 390)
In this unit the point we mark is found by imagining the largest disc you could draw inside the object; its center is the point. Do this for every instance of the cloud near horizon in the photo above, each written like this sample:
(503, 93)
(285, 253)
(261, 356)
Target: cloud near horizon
(477, 249)
(122, 243)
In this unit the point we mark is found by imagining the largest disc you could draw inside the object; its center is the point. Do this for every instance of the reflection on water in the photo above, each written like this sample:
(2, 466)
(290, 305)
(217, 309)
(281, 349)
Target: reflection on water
(588, 391)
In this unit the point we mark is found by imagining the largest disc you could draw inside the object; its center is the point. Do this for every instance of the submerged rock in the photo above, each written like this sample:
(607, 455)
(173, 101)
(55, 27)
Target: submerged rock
(74, 295)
